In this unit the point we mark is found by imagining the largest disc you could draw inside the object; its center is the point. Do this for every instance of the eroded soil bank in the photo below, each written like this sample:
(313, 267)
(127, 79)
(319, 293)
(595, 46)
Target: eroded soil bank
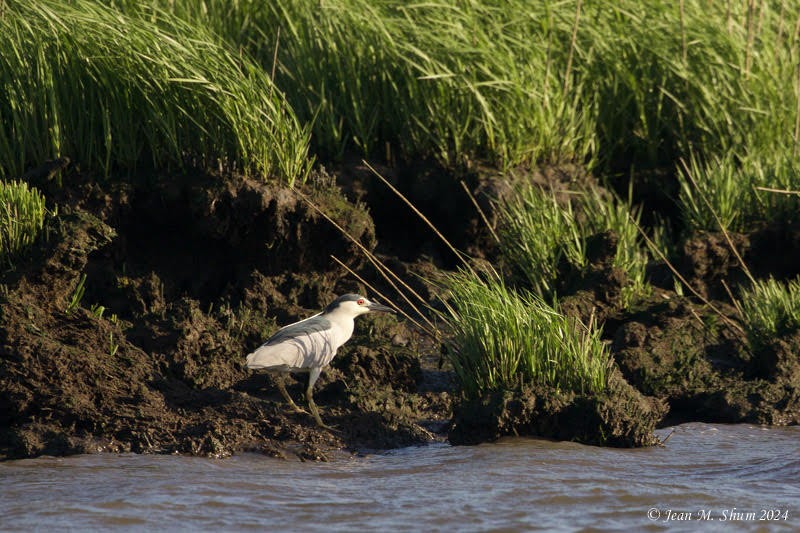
(185, 274)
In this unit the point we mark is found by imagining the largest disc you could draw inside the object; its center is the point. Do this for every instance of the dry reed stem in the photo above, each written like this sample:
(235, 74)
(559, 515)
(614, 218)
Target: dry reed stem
(480, 212)
(797, 108)
(796, 32)
(432, 333)
(683, 32)
(760, 22)
(420, 215)
(735, 302)
(572, 45)
(664, 442)
(779, 191)
(274, 61)
(779, 37)
(749, 42)
(548, 60)
(379, 265)
(382, 269)
(728, 18)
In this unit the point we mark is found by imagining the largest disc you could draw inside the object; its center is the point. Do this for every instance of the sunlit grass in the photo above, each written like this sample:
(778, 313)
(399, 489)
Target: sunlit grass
(449, 80)
(538, 234)
(109, 91)
(673, 78)
(736, 191)
(770, 309)
(642, 82)
(503, 339)
(22, 216)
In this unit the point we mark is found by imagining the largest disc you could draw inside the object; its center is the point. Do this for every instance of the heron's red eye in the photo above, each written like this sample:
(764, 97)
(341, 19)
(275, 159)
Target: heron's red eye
(360, 301)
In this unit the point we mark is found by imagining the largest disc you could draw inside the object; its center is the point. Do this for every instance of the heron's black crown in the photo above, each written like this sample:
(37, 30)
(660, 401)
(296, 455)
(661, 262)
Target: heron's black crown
(351, 297)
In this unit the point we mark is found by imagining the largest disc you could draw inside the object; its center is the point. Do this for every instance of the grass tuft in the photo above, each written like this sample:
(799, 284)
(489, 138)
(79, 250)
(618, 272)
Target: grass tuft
(538, 234)
(22, 216)
(770, 309)
(734, 190)
(502, 339)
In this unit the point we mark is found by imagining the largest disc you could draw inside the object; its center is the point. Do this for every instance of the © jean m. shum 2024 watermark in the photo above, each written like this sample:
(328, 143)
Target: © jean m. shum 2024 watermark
(731, 514)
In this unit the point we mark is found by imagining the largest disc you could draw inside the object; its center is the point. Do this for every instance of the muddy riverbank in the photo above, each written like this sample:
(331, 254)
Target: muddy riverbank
(125, 328)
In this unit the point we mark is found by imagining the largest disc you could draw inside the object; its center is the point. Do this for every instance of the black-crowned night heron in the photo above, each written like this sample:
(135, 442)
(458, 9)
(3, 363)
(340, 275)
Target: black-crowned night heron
(311, 344)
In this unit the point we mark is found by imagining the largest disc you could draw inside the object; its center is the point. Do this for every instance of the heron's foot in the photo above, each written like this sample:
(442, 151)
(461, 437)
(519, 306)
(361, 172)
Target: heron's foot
(318, 419)
(326, 426)
(323, 425)
(298, 410)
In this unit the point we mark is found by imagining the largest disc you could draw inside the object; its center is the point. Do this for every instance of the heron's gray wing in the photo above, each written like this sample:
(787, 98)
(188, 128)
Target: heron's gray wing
(299, 346)
(309, 326)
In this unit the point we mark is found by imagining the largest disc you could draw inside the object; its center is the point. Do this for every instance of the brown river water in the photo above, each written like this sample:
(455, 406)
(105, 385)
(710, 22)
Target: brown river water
(706, 477)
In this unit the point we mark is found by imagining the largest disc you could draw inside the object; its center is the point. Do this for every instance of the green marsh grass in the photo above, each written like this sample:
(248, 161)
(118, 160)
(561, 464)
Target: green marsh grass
(22, 217)
(77, 295)
(770, 309)
(81, 79)
(450, 80)
(733, 189)
(524, 82)
(538, 233)
(672, 78)
(503, 339)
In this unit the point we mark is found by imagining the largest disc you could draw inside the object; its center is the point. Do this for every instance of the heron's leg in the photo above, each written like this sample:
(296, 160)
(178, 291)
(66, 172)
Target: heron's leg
(313, 375)
(279, 382)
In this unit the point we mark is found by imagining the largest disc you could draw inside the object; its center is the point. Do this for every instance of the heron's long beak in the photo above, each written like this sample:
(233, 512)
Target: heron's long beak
(380, 308)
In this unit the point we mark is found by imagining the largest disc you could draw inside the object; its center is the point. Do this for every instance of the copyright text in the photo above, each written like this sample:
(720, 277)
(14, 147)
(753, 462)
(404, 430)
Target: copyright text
(731, 514)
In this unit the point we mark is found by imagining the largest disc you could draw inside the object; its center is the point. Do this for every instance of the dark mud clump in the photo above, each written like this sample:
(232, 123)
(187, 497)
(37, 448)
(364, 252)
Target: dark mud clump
(594, 294)
(704, 370)
(619, 416)
(126, 328)
(708, 261)
(699, 360)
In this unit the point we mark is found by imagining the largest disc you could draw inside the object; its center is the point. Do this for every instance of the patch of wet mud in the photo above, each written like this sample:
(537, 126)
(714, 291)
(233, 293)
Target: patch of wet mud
(620, 416)
(685, 355)
(183, 278)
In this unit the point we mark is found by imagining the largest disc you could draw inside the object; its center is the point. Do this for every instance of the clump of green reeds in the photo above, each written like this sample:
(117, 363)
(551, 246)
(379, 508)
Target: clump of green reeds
(739, 191)
(22, 216)
(449, 80)
(83, 80)
(538, 233)
(770, 309)
(502, 339)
